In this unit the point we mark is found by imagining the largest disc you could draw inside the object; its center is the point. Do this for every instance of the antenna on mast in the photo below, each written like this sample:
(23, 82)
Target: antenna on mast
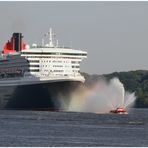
(50, 38)
(51, 42)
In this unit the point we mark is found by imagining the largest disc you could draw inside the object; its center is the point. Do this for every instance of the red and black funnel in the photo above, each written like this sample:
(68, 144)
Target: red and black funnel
(15, 45)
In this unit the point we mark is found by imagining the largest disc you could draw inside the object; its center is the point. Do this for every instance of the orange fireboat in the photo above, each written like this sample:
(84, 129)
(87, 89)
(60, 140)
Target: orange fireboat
(119, 110)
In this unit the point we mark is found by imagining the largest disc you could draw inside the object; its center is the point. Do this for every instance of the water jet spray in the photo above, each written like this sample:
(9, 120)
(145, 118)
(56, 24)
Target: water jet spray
(102, 97)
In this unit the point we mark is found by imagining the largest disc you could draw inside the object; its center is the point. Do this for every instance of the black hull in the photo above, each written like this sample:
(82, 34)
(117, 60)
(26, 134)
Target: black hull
(37, 96)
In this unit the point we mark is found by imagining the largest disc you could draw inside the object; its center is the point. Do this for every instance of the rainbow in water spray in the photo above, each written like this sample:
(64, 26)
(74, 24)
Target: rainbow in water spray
(102, 97)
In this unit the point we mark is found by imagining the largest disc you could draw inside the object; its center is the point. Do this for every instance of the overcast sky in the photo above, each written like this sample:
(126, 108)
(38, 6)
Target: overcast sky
(115, 34)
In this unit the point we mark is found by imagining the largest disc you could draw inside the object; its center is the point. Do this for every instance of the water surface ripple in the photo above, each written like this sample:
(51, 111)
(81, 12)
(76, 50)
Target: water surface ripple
(44, 128)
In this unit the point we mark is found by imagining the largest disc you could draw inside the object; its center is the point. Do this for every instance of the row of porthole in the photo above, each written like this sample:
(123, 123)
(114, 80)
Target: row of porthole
(55, 61)
(57, 65)
(54, 66)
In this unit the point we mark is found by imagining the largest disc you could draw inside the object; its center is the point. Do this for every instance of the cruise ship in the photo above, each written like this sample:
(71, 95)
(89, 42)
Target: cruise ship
(34, 77)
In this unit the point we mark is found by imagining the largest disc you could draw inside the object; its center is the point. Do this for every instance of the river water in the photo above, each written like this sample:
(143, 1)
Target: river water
(45, 128)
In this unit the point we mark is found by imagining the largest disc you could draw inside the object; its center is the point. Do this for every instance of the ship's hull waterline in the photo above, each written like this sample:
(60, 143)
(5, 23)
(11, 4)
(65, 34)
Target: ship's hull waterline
(43, 96)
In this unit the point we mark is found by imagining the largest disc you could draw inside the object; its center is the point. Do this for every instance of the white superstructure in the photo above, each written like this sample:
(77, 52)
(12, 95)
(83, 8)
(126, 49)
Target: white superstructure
(51, 63)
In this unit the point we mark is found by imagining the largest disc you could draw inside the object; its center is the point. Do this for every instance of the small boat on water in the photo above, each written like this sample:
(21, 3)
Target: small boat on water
(119, 110)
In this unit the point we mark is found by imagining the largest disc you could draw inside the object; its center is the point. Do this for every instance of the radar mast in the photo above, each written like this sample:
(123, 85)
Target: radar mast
(50, 38)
